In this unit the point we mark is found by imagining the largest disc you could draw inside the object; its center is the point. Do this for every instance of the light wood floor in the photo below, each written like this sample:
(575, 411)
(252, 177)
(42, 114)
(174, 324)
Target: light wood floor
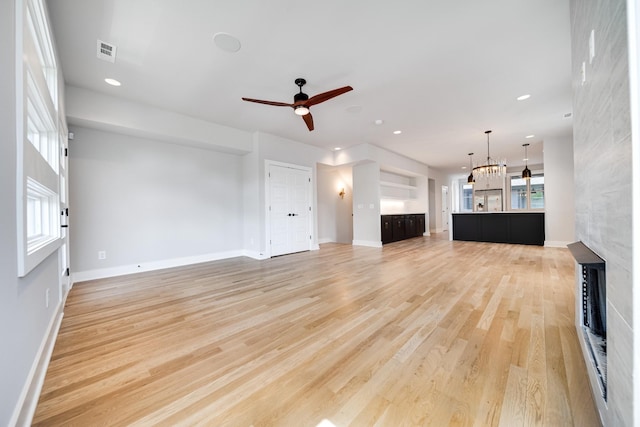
(418, 333)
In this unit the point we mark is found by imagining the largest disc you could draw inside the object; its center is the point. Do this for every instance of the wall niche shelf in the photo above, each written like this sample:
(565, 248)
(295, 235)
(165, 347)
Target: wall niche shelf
(397, 187)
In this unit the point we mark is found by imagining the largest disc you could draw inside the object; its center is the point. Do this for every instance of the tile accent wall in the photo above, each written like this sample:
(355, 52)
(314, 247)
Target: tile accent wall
(603, 179)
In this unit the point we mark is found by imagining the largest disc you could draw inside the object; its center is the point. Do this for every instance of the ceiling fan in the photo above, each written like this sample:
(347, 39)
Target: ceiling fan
(302, 102)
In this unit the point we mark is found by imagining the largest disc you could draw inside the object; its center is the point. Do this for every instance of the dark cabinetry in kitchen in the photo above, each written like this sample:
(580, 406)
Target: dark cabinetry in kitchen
(400, 227)
(523, 228)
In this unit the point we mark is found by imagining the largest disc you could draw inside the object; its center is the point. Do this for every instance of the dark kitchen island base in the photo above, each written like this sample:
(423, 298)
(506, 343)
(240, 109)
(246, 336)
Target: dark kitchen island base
(524, 228)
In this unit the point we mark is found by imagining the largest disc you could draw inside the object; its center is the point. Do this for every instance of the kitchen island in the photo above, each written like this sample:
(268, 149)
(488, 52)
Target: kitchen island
(524, 228)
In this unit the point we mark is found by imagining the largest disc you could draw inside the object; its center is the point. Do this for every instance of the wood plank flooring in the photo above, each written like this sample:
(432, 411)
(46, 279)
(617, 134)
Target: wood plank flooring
(424, 332)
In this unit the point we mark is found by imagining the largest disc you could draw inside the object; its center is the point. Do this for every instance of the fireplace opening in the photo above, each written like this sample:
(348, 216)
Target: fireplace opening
(594, 305)
(594, 309)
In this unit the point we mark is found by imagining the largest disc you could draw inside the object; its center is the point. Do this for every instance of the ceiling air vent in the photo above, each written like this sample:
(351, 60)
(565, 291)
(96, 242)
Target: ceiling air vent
(106, 51)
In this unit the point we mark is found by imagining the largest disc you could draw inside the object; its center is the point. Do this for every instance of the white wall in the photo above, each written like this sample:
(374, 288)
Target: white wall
(387, 160)
(335, 222)
(366, 205)
(114, 116)
(559, 217)
(439, 180)
(25, 319)
(150, 203)
(421, 203)
(253, 199)
(91, 109)
(431, 220)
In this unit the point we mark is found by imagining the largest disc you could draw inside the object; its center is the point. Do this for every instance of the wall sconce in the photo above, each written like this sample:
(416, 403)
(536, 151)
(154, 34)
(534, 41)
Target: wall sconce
(341, 193)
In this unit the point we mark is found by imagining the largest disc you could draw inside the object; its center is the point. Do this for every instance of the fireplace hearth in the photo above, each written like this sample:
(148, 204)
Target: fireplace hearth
(594, 309)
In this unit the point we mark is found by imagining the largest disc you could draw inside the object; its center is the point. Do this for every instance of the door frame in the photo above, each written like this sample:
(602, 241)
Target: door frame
(446, 209)
(267, 203)
(64, 253)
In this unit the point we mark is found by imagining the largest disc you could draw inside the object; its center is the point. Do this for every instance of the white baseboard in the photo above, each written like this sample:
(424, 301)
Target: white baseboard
(26, 406)
(325, 240)
(555, 244)
(368, 243)
(81, 276)
(255, 255)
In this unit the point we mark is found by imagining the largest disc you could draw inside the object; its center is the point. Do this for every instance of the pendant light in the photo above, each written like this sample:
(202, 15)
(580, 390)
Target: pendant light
(526, 173)
(471, 180)
(493, 168)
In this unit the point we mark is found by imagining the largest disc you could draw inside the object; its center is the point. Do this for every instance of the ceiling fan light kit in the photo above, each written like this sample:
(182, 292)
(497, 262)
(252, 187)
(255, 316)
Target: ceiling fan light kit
(302, 102)
(301, 110)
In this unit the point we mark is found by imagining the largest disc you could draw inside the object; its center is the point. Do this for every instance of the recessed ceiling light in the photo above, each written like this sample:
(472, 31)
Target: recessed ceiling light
(523, 97)
(567, 115)
(337, 149)
(112, 82)
(379, 122)
(464, 167)
(226, 42)
(529, 136)
(397, 132)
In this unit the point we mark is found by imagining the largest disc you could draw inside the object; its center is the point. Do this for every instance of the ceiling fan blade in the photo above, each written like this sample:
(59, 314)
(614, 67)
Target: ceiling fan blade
(277, 104)
(321, 97)
(308, 120)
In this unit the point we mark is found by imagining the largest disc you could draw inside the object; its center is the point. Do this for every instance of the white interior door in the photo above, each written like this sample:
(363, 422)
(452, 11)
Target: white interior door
(290, 196)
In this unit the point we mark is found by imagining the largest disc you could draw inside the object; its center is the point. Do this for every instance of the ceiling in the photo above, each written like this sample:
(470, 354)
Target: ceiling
(440, 71)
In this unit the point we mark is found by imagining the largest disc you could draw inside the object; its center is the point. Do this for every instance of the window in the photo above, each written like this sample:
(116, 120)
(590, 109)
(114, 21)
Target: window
(39, 139)
(41, 130)
(527, 194)
(518, 193)
(467, 198)
(40, 36)
(536, 189)
(43, 224)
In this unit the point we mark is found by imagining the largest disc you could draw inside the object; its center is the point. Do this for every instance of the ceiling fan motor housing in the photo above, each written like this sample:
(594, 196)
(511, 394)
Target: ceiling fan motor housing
(300, 97)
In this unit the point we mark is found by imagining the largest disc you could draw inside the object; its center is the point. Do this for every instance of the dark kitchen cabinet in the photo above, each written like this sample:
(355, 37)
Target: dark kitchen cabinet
(387, 230)
(401, 227)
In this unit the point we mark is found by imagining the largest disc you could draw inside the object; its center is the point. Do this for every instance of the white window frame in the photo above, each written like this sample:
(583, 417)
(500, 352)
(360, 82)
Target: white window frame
(38, 133)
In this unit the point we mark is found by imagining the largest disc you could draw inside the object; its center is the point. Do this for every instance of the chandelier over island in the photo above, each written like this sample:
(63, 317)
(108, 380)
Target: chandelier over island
(493, 167)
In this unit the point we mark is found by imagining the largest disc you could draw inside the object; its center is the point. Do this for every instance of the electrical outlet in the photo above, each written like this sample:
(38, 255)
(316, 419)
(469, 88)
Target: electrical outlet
(102, 254)
(46, 298)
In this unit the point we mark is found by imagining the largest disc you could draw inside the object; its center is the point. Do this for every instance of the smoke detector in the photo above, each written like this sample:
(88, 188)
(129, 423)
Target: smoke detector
(106, 51)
